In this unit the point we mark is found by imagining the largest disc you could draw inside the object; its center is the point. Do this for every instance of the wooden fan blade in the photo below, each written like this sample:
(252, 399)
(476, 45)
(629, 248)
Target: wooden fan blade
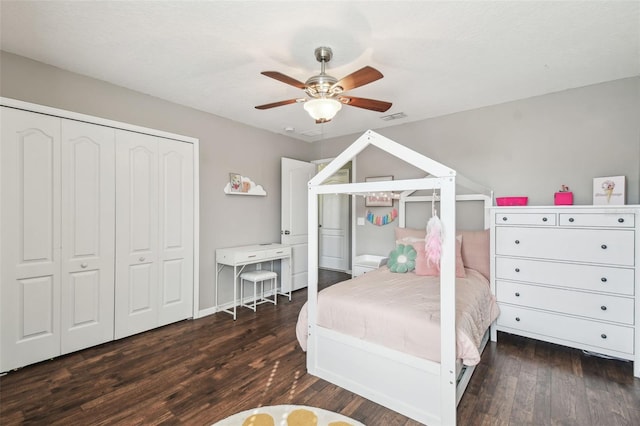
(372, 104)
(277, 104)
(284, 78)
(359, 78)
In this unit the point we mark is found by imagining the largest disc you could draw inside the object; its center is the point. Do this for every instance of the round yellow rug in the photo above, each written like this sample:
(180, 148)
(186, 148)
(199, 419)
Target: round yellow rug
(287, 415)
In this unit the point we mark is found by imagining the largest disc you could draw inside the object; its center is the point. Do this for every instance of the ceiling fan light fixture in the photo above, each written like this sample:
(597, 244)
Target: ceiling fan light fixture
(326, 93)
(322, 109)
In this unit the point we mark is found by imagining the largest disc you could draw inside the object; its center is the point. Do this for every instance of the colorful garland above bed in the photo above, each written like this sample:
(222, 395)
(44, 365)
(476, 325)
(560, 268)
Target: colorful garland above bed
(382, 220)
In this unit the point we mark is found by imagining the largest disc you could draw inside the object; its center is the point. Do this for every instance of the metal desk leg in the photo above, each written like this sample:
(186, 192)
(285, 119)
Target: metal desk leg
(219, 268)
(236, 275)
(235, 291)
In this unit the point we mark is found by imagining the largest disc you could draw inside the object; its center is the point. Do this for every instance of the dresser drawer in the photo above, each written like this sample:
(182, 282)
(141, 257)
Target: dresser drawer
(584, 277)
(612, 220)
(590, 305)
(525, 219)
(580, 331)
(615, 247)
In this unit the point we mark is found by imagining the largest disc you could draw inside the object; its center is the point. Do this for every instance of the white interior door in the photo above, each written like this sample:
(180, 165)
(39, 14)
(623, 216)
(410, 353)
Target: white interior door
(333, 232)
(176, 231)
(136, 295)
(30, 243)
(88, 234)
(295, 176)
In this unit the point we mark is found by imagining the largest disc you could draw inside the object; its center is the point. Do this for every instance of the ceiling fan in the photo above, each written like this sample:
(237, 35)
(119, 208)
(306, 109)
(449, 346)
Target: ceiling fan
(326, 93)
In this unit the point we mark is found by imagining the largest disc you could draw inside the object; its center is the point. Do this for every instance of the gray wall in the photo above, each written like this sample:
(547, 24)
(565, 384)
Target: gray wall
(225, 146)
(528, 147)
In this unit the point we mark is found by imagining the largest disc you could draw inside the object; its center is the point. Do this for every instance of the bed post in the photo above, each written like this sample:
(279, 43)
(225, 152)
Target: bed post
(312, 290)
(448, 397)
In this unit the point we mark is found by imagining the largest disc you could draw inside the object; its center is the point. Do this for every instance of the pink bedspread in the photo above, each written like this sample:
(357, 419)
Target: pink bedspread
(402, 312)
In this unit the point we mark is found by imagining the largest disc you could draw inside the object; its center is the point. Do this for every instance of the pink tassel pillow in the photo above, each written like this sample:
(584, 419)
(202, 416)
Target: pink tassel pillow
(422, 268)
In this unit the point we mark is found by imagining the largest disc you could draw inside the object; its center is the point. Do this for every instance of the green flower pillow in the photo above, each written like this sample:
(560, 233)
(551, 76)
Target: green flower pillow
(402, 259)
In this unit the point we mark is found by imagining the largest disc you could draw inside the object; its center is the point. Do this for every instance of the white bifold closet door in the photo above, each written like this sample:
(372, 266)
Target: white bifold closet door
(88, 234)
(97, 227)
(30, 243)
(176, 198)
(154, 232)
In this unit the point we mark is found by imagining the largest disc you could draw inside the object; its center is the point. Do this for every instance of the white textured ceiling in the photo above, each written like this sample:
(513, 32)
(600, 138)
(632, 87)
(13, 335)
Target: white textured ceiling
(437, 57)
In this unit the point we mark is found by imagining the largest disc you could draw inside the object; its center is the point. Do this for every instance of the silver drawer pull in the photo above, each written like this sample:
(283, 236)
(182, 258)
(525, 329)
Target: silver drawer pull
(253, 255)
(544, 219)
(604, 308)
(603, 279)
(571, 219)
(504, 218)
(603, 247)
(141, 259)
(83, 265)
(518, 319)
(517, 269)
(620, 220)
(517, 241)
(604, 336)
(517, 294)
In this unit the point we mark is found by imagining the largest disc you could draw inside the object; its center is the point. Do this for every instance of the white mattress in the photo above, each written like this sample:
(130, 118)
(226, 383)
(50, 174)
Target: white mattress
(402, 312)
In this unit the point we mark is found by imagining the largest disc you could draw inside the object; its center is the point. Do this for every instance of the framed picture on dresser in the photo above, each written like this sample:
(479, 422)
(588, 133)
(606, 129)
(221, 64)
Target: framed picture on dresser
(609, 191)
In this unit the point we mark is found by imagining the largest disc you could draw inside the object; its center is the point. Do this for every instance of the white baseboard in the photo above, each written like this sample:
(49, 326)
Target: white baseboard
(206, 312)
(229, 305)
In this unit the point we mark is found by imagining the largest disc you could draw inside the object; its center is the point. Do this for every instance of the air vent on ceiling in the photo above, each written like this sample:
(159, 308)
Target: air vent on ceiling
(311, 133)
(396, 116)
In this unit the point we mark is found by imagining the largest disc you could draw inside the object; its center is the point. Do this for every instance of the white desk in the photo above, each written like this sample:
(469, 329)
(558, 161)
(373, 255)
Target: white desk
(240, 257)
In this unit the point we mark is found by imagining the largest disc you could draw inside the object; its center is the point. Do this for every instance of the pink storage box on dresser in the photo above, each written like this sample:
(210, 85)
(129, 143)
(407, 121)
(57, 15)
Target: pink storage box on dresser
(512, 201)
(563, 198)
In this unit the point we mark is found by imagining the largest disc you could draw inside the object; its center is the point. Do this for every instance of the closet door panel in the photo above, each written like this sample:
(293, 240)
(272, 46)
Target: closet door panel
(176, 231)
(88, 234)
(136, 307)
(141, 292)
(30, 244)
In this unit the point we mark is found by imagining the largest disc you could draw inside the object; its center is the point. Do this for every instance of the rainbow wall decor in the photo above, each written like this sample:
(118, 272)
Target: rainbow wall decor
(382, 220)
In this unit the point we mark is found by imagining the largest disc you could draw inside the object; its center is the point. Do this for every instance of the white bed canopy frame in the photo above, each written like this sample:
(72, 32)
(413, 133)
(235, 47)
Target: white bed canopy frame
(423, 390)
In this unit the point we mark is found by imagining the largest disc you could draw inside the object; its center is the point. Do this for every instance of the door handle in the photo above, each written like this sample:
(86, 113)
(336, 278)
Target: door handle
(287, 232)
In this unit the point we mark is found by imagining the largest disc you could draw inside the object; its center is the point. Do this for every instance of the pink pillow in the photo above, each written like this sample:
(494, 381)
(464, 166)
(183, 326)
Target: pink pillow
(402, 233)
(475, 251)
(433, 270)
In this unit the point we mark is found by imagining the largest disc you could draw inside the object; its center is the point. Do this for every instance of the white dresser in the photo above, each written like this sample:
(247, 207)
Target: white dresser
(568, 275)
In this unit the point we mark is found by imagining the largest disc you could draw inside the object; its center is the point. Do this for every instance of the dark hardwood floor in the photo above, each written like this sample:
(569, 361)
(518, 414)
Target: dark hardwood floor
(198, 372)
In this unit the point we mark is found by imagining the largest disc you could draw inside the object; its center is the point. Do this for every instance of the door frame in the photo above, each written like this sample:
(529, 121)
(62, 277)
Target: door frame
(352, 209)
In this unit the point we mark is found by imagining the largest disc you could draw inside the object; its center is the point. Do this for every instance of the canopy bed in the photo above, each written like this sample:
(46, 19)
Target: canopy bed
(409, 377)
